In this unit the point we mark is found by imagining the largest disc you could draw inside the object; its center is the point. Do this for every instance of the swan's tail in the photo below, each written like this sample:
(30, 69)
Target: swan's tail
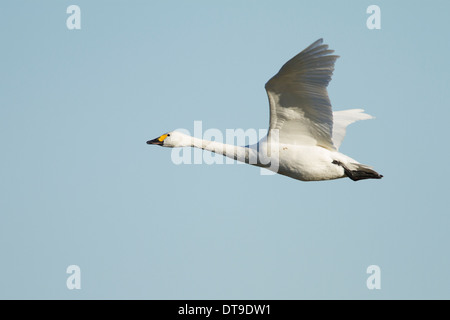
(341, 119)
(357, 171)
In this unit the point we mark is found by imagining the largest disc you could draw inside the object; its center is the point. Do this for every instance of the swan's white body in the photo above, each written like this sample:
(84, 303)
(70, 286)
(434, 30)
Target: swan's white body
(304, 134)
(311, 163)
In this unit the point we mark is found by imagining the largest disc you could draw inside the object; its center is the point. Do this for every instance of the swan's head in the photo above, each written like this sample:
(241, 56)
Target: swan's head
(172, 139)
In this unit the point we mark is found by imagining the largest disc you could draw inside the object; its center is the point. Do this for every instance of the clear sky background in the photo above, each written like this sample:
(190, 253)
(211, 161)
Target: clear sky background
(78, 184)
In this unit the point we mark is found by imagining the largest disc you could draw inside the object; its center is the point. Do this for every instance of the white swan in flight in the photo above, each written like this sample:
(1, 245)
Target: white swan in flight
(304, 133)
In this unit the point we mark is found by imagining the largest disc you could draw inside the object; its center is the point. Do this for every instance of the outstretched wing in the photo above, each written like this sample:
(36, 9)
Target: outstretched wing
(299, 105)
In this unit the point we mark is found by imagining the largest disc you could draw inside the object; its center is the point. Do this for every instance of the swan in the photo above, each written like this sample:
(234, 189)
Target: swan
(304, 133)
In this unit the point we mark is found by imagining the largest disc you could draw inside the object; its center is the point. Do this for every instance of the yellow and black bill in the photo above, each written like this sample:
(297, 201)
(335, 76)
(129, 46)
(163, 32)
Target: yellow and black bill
(158, 141)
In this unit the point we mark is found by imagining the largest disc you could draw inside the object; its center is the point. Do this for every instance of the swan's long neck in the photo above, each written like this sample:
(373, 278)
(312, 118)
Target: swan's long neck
(243, 154)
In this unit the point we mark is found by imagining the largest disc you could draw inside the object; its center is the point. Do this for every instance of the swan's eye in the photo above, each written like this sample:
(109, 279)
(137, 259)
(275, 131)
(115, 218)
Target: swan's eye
(168, 134)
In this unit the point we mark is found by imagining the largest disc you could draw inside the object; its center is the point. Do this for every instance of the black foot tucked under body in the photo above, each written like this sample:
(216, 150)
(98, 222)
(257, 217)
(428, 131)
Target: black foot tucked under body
(362, 172)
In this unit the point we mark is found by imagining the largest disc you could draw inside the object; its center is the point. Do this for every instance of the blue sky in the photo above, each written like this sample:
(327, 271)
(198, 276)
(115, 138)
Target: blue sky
(79, 185)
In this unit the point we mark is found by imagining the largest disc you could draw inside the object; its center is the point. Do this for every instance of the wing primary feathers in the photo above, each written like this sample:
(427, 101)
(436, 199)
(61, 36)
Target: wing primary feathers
(299, 105)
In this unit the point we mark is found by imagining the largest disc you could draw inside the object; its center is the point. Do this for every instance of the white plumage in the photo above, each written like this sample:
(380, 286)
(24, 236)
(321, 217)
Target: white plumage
(304, 133)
